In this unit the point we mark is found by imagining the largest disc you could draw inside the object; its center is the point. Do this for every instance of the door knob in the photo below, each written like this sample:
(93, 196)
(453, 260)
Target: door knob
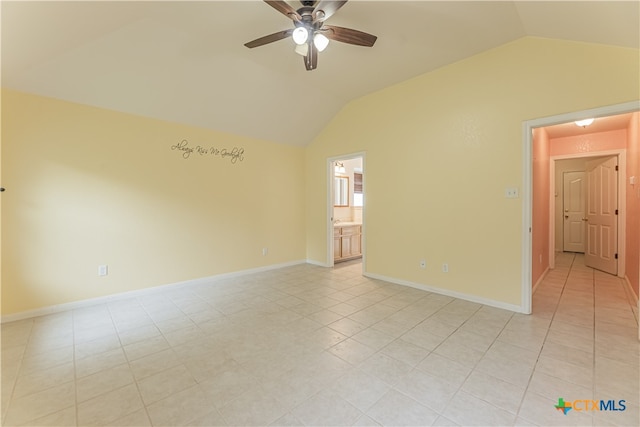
(566, 217)
(585, 219)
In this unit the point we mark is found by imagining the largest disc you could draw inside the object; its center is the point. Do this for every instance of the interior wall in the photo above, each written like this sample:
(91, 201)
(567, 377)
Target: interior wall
(443, 147)
(540, 217)
(589, 143)
(633, 204)
(89, 187)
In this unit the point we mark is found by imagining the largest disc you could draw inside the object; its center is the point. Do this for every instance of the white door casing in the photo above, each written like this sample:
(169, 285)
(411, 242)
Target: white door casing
(602, 215)
(574, 202)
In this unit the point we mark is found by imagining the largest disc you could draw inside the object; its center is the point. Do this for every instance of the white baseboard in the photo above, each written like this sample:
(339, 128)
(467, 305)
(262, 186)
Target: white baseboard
(630, 288)
(450, 293)
(138, 292)
(542, 276)
(318, 263)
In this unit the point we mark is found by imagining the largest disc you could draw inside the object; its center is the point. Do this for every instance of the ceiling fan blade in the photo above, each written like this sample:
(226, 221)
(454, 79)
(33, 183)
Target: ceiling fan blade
(311, 59)
(269, 39)
(284, 8)
(327, 8)
(348, 35)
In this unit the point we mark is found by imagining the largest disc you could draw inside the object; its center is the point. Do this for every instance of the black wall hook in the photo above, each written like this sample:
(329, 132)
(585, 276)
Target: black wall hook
(1, 189)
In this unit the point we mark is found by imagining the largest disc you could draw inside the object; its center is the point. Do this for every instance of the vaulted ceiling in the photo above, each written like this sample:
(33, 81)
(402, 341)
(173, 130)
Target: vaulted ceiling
(185, 61)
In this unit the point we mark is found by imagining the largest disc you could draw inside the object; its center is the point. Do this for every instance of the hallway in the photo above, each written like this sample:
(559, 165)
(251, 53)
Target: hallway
(591, 348)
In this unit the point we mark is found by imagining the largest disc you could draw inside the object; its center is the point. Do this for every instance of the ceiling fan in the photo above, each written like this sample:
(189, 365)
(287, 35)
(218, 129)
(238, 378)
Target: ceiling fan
(310, 33)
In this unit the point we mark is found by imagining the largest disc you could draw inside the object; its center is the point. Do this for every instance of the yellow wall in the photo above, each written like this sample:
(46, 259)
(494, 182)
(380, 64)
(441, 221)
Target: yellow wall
(87, 186)
(441, 149)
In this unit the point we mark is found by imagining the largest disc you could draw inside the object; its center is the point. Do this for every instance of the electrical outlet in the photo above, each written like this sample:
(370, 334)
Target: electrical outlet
(445, 268)
(265, 251)
(103, 270)
(423, 264)
(511, 193)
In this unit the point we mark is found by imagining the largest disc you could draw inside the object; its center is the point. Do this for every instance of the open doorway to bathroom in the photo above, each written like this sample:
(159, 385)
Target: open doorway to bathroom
(346, 227)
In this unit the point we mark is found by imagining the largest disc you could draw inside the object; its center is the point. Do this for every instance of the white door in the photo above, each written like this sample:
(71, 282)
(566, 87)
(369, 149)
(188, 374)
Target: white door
(602, 215)
(574, 203)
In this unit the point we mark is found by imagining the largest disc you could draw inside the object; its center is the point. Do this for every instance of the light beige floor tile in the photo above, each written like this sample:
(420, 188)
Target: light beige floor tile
(89, 348)
(33, 406)
(104, 381)
(347, 327)
(442, 367)
(153, 363)
(180, 408)
(100, 362)
(468, 410)
(213, 418)
(66, 417)
(326, 409)
(495, 391)
(427, 389)
(397, 409)
(43, 379)
(228, 384)
(360, 389)
(140, 333)
(108, 407)
(386, 368)
(582, 376)
(145, 347)
(254, 407)
(50, 359)
(373, 338)
(165, 383)
(138, 418)
(257, 360)
(406, 352)
(553, 387)
(352, 351)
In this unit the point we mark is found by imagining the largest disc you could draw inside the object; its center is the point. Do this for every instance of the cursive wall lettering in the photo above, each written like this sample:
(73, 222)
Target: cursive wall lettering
(233, 155)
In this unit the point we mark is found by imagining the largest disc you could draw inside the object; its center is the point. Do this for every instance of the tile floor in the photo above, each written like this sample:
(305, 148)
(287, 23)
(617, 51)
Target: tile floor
(307, 345)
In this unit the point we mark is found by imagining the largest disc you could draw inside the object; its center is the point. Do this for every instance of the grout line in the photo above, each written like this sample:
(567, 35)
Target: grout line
(566, 279)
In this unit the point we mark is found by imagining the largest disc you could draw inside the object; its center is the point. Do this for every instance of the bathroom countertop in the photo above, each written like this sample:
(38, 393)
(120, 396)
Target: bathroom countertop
(346, 223)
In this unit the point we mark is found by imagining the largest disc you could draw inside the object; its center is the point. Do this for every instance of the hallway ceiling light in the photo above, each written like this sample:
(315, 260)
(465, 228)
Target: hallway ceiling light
(584, 123)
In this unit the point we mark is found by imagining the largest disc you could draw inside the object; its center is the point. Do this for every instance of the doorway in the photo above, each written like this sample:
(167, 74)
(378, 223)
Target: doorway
(586, 211)
(345, 210)
(532, 160)
(602, 221)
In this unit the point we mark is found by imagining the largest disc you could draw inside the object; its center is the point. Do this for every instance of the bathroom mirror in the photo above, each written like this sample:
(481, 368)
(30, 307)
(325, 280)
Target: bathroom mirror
(341, 191)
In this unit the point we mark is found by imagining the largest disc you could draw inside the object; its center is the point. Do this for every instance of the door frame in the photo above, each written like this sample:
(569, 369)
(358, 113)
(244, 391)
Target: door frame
(622, 202)
(527, 181)
(330, 191)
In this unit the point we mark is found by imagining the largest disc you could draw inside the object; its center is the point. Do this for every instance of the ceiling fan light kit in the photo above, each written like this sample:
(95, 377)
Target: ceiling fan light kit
(310, 34)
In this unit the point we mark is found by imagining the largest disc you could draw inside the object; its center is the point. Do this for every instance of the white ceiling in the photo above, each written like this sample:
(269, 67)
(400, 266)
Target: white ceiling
(185, 61)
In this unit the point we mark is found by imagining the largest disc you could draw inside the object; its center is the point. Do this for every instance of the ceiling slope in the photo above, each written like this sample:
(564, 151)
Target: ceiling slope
(185, 61)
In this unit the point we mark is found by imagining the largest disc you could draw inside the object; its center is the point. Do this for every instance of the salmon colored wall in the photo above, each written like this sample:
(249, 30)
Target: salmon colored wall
(601, 141)
(633, 204)
(540, 217)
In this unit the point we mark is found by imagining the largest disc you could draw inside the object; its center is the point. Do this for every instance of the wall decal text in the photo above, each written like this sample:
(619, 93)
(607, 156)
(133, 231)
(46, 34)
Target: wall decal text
(234, 155)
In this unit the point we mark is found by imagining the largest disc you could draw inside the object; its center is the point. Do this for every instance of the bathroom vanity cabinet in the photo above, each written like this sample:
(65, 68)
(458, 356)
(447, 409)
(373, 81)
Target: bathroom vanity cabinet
(347, 241)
